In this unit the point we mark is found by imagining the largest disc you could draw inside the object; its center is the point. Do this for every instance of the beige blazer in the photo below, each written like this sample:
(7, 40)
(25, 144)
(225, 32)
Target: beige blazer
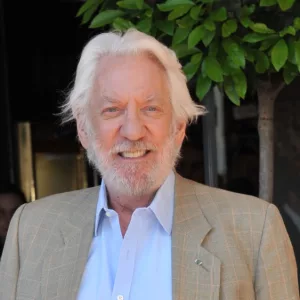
(225, 246)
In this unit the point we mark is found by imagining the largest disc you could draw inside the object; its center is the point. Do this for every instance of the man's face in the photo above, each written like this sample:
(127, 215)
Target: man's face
(8, 205)
(133, 140)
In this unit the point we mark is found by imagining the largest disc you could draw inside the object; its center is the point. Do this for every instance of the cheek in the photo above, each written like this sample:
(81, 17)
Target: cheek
(105, 133)
(159, 135)
(161, 128)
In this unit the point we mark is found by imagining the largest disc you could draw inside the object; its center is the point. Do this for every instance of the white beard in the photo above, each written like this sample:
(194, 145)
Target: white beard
(134, 179)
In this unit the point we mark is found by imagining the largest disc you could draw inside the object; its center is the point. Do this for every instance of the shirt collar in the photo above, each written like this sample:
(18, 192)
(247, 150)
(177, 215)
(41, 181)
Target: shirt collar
(162, 205)
(101, 206)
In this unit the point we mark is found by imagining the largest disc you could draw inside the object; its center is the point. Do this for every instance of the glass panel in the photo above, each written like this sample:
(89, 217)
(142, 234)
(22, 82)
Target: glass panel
(57, 173)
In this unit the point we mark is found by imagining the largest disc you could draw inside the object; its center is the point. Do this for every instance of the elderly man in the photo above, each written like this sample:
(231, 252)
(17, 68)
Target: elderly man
(146, 233)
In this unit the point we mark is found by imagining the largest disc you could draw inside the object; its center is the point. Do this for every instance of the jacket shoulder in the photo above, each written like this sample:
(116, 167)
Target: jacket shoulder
(62, 203)
(220, 200)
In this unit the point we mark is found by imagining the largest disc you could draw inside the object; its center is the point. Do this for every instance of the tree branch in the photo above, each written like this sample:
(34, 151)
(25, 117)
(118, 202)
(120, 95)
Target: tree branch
(279, 89)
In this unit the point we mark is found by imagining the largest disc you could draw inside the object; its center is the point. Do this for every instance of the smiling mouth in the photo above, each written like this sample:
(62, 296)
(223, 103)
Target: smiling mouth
(134, 154)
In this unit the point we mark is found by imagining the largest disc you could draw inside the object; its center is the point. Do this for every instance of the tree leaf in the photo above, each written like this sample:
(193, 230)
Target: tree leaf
(297, 23)
(213, 69)
(88, 15)
(287, 30)
(229, 27)
(195, 12)
(235, 53)
(203, 86)
(290, 72)
(279, 54)
(209, 25)
(132, 4)
(128, 4)
(249, 52)
(228, 45)
(149, 13)
(122, 24)
(231, 64)
(105, 17)
(227, 66)
(213, 48)
(261, 28)
(196, 58)
(248, 10)
(166, 26)
(88, 5)
(297, 53)
(246, 21)
(182, 50)
(179, 11)
(267, 3)
(180, 35)
(171, 4)
(139, 3)
(266, 44)
(196, 36)
(231, 92)
(262, 62)
(240, 83)
(285, 4)
(292, 52)
(190, 70)
(253, 38)
(144, 25)
(186, 22)
(209, 36)
(219, 15)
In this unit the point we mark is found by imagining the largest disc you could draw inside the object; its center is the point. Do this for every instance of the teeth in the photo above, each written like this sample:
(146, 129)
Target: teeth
(133, 154)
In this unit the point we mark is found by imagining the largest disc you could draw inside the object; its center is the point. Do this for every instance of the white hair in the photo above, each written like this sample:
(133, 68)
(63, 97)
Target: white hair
(132, 42)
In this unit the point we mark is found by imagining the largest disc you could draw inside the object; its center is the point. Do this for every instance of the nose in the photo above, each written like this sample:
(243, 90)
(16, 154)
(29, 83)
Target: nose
(133, 127)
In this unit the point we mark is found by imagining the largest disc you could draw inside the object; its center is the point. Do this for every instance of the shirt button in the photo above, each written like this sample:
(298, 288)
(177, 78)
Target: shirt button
(108, 214)
(120, 297)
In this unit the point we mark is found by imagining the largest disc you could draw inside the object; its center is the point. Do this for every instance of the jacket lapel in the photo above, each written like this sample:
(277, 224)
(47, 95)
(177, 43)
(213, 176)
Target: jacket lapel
(63, 270)
(196, 271)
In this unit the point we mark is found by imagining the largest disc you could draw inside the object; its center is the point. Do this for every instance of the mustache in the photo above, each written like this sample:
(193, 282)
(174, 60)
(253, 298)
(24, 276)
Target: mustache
(132, 146)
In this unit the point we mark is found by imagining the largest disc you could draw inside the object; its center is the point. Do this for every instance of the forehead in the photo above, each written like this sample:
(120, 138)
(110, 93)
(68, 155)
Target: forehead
(131, 76)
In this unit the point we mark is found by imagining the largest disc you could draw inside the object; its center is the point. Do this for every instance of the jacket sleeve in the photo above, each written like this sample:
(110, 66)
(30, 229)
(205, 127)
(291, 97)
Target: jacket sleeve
(10, 260)
(276, 270)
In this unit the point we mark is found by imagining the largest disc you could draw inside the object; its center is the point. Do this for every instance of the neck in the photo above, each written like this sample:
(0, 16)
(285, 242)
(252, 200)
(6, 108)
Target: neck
(125, 205)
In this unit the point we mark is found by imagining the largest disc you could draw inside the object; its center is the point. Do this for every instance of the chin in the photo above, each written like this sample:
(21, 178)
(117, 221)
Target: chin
(131, 183)
(135, 177)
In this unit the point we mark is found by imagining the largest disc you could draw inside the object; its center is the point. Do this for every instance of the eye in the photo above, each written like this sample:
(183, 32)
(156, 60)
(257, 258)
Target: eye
(151, 108)
(111, 110)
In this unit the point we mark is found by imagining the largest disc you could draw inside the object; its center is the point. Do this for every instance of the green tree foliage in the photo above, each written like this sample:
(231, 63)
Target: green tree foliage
(218, 42)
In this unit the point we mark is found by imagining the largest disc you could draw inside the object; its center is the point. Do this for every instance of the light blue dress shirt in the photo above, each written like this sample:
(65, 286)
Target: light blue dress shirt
(138, 266)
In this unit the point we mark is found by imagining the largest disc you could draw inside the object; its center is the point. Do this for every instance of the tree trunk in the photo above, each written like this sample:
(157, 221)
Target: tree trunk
(267, 94)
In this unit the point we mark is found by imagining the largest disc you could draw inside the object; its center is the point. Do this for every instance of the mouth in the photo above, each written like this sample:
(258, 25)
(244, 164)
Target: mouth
(134, 154)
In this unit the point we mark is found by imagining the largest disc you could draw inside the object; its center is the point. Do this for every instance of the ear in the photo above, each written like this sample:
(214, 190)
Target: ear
(180, 133)
(82, 132)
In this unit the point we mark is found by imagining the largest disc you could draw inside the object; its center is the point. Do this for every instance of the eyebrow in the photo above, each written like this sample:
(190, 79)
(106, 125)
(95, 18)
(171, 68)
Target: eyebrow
(112, 100)
(150, 98)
